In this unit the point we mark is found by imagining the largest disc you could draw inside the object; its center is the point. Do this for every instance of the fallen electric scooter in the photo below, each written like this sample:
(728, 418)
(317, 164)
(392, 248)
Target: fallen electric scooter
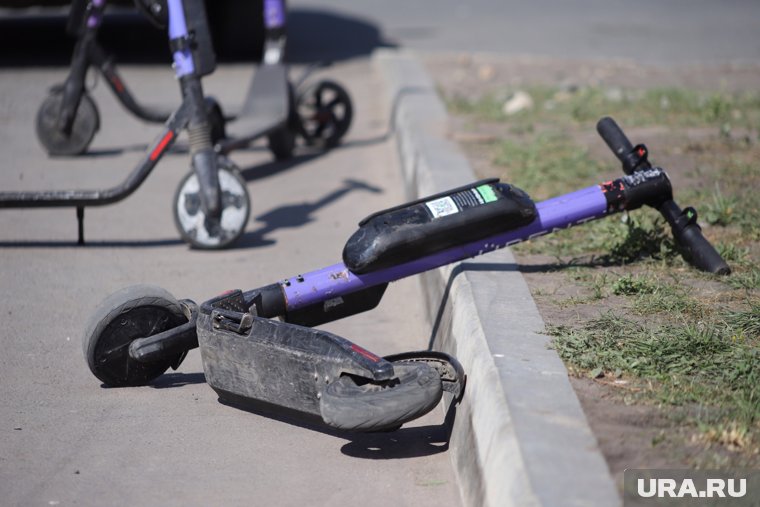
(248, 357)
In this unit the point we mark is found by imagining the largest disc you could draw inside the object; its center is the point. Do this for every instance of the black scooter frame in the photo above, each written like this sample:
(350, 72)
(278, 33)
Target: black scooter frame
(191, 116)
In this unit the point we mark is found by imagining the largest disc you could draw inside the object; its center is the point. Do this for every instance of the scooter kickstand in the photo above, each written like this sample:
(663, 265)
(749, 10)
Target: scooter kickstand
(80, 225)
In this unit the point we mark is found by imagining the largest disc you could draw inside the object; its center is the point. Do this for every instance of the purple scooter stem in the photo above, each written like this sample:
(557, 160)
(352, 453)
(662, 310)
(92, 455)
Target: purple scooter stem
(337, 280)
(274, 14)
(183, 58)
(97, 15)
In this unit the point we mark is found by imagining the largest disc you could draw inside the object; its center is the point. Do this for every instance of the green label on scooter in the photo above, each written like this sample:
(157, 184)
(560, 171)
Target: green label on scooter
(487, 193)
(460, 201)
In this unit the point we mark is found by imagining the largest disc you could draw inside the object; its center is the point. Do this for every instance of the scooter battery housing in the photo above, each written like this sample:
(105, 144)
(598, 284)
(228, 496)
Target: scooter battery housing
(435, 223)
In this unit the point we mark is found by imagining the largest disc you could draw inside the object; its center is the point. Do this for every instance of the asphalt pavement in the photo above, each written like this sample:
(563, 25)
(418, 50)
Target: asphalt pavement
(648, 31)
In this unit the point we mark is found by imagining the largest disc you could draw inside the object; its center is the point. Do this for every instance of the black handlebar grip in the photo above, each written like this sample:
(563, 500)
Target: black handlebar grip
(696, 250)
(615, 138)
(699, 252)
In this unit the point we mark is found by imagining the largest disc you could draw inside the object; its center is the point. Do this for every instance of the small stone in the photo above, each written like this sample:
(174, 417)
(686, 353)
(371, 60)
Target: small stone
(614, 94)
(519, 101)
(486, 72)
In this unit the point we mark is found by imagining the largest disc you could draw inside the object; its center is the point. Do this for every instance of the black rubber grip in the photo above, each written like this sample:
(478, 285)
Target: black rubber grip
(696, 250)
(699, 252)
(614, 136)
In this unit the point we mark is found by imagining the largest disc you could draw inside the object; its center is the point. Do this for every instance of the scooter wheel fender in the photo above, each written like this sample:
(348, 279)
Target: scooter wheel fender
(124, 316)
(355, 405)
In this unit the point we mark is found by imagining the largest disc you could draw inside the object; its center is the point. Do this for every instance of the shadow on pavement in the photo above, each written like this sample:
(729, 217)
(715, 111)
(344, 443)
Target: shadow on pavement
(404, 443)
(34, 39)
(168, 380)
(137, 243)
(297, 215)
(319, 35)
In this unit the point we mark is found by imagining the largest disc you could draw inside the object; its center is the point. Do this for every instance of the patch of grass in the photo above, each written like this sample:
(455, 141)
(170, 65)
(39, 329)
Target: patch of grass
(746, 277)
(612, 240)
(487, 107)
(670, 299)
(546, 165)
(665, 106)
(643, 236)
(746, 322)
(696, 363)
(721, 210)
(629, 285)
(732, 252)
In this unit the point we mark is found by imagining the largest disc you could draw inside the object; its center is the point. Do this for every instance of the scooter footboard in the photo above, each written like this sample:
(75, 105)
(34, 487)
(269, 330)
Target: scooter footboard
(249, 358)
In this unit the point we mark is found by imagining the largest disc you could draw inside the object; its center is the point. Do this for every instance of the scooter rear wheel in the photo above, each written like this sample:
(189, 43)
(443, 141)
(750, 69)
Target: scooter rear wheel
(131, 313)
(86, 123)
(358, 404)
(208, 233)
(325, 113)
(282, 142)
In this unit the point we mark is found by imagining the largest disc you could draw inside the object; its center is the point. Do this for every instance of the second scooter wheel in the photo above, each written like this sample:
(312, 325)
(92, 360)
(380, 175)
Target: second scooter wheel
(358, 404)
(131, 313)
(325, 113)
(53, 139)
(202, 231)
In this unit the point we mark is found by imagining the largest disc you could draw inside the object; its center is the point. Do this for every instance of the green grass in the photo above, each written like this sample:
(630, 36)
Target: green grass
(713, 364)
(664, 106)
(547, 165)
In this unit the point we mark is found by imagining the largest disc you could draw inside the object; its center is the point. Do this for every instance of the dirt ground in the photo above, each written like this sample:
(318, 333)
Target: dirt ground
(631, 435)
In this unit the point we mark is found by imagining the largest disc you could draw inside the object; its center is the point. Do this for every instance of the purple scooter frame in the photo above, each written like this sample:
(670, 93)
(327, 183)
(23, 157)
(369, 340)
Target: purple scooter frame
(337, 280)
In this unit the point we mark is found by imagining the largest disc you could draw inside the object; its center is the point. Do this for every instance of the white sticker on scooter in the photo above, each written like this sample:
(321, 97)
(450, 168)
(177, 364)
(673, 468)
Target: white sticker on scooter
(442, 207)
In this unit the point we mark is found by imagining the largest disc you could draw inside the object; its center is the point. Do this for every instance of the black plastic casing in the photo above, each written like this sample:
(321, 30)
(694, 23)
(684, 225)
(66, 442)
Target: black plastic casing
(432, 224)
(202, 47)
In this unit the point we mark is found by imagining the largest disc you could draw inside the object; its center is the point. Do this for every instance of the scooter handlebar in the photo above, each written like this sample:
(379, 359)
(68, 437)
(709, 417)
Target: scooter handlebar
(694, 247)
(688, 235)
(615, 138)
(699, 252)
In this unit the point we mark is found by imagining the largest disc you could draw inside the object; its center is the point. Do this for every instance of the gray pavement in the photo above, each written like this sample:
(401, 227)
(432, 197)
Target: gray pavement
(65, 440)
(648, 31)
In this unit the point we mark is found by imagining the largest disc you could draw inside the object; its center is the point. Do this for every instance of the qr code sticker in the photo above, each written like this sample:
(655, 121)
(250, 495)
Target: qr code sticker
(442, 207)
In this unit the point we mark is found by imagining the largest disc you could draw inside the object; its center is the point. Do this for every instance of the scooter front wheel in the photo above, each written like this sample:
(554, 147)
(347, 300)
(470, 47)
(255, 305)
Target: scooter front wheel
(359, 404)
(325, 113)
(86, 122)
(202, 231)
(131, 313)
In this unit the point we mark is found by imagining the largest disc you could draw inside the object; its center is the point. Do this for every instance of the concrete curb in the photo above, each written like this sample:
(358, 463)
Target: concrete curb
(519, 436)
